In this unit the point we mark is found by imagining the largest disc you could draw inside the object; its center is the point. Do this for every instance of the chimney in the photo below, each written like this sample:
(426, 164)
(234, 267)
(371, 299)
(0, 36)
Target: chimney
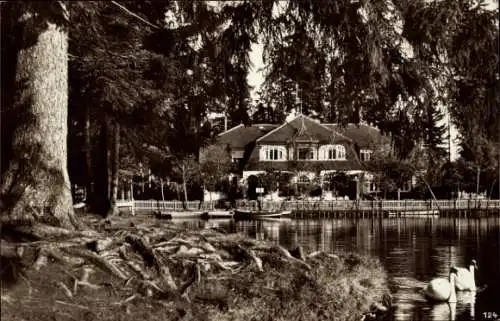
(225, 122)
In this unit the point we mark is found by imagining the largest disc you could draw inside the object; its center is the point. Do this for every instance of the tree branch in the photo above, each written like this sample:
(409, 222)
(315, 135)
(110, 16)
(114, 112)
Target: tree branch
(134, 15)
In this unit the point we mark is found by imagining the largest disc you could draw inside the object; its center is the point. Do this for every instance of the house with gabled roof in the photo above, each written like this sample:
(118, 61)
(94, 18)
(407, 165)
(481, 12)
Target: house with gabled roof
(305, 147)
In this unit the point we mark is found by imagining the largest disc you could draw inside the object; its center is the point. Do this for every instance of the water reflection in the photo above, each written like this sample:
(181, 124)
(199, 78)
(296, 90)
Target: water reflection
(413, 251)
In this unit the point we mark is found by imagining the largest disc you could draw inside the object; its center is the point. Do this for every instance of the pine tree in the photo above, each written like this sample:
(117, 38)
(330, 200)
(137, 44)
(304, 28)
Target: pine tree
(35, 186)
(433, 134)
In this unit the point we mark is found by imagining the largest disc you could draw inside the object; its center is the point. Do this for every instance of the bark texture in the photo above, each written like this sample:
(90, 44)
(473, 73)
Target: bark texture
(36, 185)
(100, 197)
(89, 184)
(115, 163)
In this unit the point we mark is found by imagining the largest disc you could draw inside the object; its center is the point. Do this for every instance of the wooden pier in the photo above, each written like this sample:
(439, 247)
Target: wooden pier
(340, 208)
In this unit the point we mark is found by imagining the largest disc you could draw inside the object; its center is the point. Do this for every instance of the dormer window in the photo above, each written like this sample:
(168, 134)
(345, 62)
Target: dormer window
(365, 155)
(272, 153)
(332, 152)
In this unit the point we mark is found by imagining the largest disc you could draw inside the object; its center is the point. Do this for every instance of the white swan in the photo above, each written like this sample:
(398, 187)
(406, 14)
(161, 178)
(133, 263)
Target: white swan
(442, 289)
(466, 280)
(443, 311)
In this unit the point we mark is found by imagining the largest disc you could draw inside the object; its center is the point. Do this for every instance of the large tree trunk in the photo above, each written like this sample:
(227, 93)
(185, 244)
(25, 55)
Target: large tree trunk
(36, 187)
(89, 186)
(100, 199)
(114, 166)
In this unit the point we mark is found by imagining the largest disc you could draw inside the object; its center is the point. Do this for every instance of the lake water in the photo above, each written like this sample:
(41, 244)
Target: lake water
(413, 250)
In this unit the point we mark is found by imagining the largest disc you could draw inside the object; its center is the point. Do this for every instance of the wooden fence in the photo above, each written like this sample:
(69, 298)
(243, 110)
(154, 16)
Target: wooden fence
(336, 205)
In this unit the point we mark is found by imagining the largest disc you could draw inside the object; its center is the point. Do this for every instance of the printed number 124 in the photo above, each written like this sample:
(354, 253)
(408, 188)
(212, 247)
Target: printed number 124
(490, 315)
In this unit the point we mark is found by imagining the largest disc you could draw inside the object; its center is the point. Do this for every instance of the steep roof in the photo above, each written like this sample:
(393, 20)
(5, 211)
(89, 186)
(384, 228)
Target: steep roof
(365, 136)
(301, 128)
(241, 135)
(351, 162)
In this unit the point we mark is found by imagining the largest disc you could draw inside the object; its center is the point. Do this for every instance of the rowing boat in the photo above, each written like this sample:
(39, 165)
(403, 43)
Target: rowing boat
(255, 215)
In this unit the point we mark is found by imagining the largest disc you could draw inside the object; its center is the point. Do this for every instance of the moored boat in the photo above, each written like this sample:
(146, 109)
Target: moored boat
(217, 214)
(255, 215)
(182, 214)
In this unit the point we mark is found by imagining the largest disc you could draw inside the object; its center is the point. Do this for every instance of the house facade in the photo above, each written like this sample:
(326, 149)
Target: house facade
(311, 152)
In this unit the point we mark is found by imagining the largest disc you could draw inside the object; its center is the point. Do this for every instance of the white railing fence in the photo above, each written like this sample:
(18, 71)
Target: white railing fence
(335, 205)
(375, 205)
(162, 206)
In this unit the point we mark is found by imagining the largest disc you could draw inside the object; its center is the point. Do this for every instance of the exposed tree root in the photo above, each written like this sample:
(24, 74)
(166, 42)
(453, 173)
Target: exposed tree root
(152, 259)
(249, 254)
(96, 260)
(289, 256)
(125, 254)
(48, 232)
(73, 305)
(298, 253)
(41, 260)
(6, 299)
(66, 290)
(130, 298)
(159, 263)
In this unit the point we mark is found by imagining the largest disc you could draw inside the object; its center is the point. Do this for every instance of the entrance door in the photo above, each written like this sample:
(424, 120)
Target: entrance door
(252, 185)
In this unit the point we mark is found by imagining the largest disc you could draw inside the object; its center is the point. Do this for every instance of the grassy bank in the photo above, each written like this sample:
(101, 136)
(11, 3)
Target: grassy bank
(211, 276)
